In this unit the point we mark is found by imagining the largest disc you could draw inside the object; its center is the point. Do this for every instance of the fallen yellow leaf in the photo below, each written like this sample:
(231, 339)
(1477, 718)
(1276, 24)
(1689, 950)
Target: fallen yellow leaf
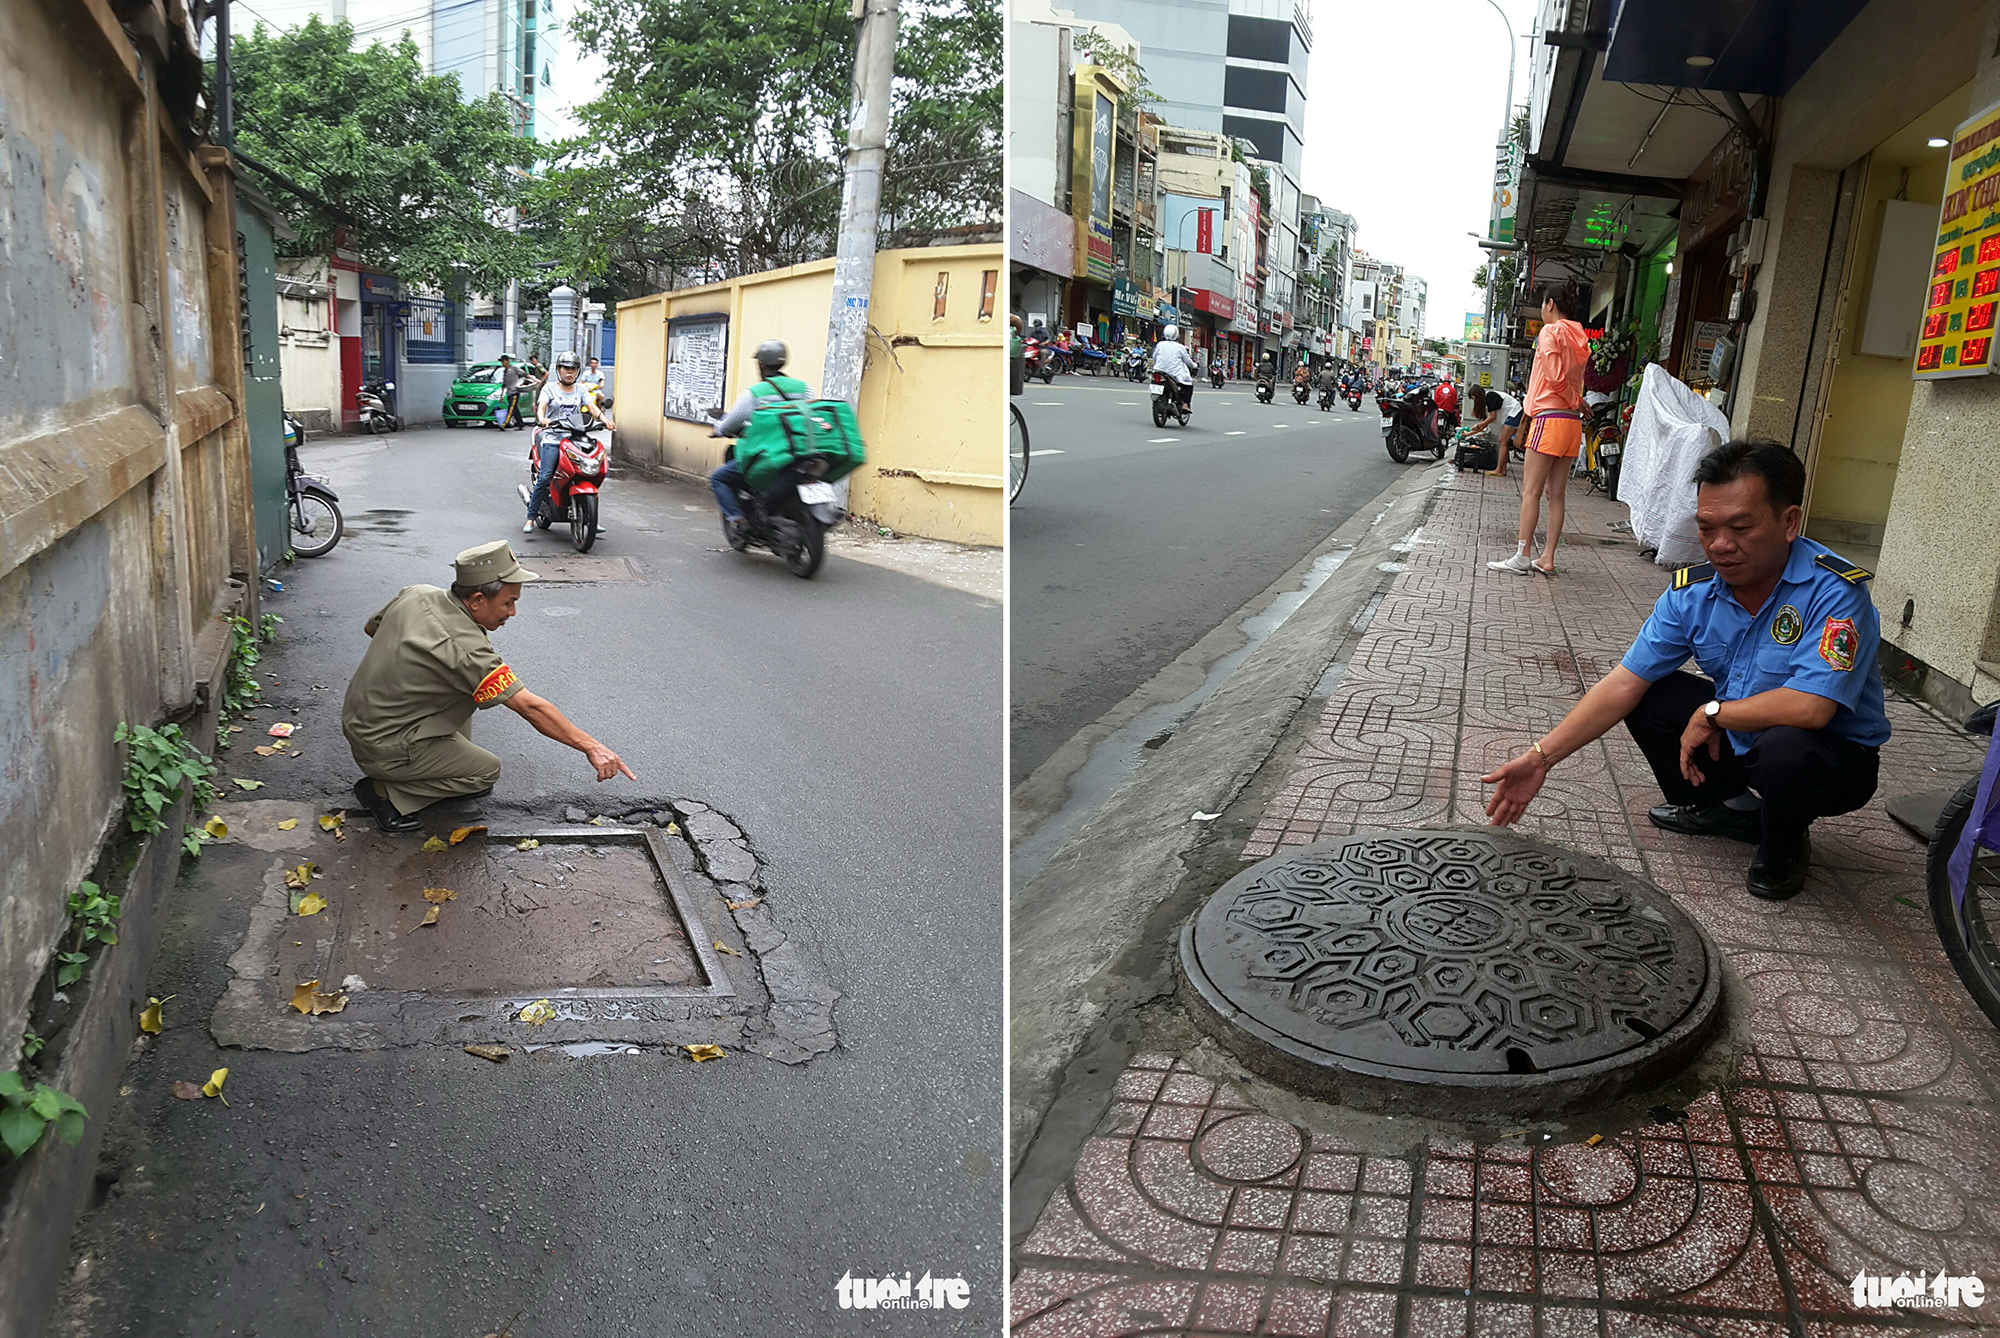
(700, 1052)
(288, 824)
(301, 877)
(213, 1087)
(597, 822)
(434, 844)
(329, 821)
(430, 918)
(673, 829)
(216, 828)
(437, 896)
(527, 843)
(724, 947)
(743, 905)
(312, 903)
(262, 751)
(496, 1053)
(538, 1012)
(149, 1017)
(461, 833)
(242, 784)
(307, 999)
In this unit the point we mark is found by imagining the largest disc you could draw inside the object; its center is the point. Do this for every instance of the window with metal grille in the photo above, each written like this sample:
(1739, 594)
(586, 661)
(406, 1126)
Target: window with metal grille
(243, 300)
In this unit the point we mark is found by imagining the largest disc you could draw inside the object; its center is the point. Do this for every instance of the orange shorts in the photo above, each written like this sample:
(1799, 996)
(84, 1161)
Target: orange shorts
(1556, 433)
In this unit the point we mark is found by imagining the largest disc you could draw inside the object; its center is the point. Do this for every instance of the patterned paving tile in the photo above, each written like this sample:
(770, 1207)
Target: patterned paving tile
(1861, 1129)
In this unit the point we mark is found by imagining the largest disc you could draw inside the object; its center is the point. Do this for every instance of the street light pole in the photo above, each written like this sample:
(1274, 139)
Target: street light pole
(1506, 132)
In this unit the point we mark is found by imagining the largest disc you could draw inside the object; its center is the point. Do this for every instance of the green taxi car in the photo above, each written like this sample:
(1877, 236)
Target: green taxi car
(475, 397)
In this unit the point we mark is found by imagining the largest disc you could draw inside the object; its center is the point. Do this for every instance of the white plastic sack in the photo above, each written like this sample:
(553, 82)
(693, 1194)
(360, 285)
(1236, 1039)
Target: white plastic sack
(1672, 428)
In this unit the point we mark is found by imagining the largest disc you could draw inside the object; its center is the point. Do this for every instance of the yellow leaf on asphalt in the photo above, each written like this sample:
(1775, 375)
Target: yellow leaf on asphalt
(743, 905)
(461, 833)
(216, 828)
(434, 845)
(724, 947)
(700, 1052)
(430, 918)
(242, 784)
(597, 822)
(437, 896)
(673, 829)
(527, 843)
(496, 1053)
(300, 877)
(213, 1087)
(262, 751)
(538, 1012)
(149, 1016)
(306, 997)
(329, 821)
(312, 903)
(288, 824)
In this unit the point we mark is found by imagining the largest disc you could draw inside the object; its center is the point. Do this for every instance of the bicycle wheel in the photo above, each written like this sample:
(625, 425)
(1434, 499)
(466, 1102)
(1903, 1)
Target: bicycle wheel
(1017, 452)
(1971, 947)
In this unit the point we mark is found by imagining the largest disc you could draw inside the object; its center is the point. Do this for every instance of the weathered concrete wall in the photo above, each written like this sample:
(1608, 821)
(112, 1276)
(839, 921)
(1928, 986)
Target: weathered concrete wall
(124, 514)
(931, 407)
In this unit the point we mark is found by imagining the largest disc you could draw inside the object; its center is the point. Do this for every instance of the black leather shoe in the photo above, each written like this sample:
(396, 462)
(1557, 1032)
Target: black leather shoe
(1780, 882)
(386, 817)
(1718, 820)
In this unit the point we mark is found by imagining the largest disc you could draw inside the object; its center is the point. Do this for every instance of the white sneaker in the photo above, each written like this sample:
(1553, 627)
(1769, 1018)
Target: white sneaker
(528, 526)
(1518, 563)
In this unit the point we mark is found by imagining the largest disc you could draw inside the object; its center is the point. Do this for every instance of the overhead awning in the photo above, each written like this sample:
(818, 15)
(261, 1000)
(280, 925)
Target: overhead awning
(1739, 46)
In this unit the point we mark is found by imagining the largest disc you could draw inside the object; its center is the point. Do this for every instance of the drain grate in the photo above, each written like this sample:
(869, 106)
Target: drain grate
(1455, 969)
(561, 569)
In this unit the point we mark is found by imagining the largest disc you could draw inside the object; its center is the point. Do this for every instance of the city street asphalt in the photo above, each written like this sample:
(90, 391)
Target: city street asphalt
(850, 725)
(1130, 542)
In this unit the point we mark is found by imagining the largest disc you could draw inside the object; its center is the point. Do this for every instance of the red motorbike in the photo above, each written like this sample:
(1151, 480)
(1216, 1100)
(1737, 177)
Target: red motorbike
(582, 465)
(1041, 360)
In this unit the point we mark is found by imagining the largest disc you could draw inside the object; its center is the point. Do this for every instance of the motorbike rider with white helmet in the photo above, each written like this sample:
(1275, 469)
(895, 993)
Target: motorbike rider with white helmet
(1171, 356)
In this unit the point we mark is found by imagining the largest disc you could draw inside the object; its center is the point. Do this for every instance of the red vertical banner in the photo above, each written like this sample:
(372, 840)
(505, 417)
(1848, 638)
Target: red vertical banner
(1204, 231)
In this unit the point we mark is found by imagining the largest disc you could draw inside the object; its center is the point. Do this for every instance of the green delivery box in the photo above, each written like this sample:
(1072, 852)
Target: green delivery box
(780, 435)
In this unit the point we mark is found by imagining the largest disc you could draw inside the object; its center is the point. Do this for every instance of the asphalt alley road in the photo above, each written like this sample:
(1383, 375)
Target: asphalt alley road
(1130, 542)
(851, 725)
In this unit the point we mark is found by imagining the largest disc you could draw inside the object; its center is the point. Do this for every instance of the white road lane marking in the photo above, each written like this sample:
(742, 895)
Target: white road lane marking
(1047, 404)
(1157, 441)
(1051, 451)
(1232, 434)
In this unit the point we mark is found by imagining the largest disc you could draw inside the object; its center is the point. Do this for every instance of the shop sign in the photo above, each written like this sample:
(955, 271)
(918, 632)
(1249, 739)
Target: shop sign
(1957, 334)
(378, 285)
(1215, 304)
(1100, 262)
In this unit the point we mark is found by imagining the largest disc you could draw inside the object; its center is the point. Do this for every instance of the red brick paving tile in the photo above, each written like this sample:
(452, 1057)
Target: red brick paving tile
(1439, 1317)
(1112, 1309)
(1062, 1233)
(1566, 1322)
(1331, 1170)
(1443, 1265)
(1502, 1319)
(1503, 1270)
(1446, 1219)
(1232, 1309)
(1375, 1261)
(1322, 1214)
(1163, 1173)
(1248, 1252)
(1260, 1208)
(1297, 1312)
(1364, 1315)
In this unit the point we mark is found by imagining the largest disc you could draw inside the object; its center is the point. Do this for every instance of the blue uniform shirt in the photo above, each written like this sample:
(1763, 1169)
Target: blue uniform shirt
(1818, 632)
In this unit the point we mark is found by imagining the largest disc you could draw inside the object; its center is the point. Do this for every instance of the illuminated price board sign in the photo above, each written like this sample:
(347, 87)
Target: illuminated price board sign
(1960, 300)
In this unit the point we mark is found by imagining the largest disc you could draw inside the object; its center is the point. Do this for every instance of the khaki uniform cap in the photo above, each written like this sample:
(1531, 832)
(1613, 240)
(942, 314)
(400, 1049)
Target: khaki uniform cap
(490, 562)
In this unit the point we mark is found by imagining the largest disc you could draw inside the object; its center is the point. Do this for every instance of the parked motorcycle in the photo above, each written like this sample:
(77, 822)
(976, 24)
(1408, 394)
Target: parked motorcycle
(376, 408)
(1971, 939)
(792, 516)
(582, 465)
(1171, 397)
(312, 508)
(1411, 421)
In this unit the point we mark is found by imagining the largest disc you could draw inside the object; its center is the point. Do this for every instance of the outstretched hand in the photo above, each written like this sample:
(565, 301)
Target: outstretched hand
(607, 763)
(1515, 783)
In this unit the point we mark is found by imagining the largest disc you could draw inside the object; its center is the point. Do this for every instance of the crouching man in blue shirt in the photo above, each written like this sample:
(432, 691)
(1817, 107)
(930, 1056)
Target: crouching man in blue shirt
(1787, 725)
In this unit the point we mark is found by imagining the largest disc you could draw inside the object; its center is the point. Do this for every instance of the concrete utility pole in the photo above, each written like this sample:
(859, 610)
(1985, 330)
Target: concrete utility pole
(225, 97)
(1506, 133)
(860, 199)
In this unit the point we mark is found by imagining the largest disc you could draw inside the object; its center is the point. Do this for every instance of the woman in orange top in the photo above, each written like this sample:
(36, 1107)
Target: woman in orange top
(1554, 430)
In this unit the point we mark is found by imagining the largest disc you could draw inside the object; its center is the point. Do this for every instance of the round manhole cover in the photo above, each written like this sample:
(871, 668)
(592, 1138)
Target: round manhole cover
(1450, 972)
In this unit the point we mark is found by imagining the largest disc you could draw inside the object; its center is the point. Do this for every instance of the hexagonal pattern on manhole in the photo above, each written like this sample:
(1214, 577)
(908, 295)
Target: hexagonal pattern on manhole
(1475, 960)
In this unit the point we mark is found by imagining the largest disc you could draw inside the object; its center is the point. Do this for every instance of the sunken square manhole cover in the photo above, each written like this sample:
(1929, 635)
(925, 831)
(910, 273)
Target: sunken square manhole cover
(599, 922)
(576, 569)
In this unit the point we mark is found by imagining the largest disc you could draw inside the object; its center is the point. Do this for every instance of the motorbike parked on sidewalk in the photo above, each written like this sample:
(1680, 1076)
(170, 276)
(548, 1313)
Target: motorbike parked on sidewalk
(376, 408)
(1171, 397)
(1412, 421)
(1971, 941)
(312, 508)
(582, 465)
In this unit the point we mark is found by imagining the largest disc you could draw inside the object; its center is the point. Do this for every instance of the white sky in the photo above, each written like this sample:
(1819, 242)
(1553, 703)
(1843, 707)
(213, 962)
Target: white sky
(1403, 104)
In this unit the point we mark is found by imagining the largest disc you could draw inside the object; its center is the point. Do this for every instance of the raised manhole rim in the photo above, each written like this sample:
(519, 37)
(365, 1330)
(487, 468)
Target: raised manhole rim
(1371, 1084)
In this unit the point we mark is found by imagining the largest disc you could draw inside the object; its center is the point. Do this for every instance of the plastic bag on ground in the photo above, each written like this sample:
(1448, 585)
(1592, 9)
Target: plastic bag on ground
(1672, 428)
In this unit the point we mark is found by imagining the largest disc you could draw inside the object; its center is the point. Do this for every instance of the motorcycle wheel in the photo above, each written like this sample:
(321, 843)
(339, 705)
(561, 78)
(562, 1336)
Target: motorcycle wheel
(1399, 443)
(1976, 957)
(378, 424)
(803, 558)
(316, 524)
(1017, 452)
(737, 538)
(1159, 410)
(583, 521)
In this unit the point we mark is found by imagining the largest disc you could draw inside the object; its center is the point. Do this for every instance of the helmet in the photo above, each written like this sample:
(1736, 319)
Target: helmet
(771, 354)
(1172, 331)
(568, 360)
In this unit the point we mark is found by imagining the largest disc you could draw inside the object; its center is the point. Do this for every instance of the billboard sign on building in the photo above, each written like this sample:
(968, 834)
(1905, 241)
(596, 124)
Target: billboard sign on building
(1956, 338)
(1475, 327)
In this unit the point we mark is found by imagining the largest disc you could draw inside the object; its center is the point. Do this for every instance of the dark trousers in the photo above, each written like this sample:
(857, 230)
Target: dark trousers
(1802, 774)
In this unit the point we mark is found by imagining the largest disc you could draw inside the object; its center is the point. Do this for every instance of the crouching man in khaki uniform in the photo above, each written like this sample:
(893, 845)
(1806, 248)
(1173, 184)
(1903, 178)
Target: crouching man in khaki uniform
(430, 665)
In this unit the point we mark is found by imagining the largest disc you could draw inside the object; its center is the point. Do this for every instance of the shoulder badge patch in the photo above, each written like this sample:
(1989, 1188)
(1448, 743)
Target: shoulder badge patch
(1838, 643)
(501, 679)
(1842, 568)
(1787, 627)
(1694, 575)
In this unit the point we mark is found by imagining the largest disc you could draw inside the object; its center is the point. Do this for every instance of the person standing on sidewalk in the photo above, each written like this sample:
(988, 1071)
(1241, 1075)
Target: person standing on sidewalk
(510, 386)
(1554, 408)
(1788, 725)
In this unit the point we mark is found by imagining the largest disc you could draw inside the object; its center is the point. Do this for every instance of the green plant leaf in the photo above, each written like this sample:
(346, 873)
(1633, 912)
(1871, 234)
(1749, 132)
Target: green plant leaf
(69, 1126)
(46, 1102)
(12, 1088)
(20, 1129)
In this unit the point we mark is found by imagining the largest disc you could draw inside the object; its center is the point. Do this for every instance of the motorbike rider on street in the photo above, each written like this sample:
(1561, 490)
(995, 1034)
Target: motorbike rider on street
(1171, 357)
(557, 400)
(728, 476)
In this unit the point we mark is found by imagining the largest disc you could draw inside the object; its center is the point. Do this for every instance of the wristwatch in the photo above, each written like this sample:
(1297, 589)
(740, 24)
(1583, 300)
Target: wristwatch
(1710, 711)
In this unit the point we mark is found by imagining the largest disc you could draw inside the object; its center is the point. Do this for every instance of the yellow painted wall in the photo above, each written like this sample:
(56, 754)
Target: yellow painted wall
(931, 408)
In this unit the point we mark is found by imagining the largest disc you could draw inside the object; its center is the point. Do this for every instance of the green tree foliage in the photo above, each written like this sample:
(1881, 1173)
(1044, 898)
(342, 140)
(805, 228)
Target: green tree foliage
(416, 177)
(716, 147)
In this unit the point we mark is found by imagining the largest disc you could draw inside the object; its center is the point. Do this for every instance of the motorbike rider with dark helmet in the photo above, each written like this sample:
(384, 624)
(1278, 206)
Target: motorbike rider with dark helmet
(770, 391)
(555, 402)
(1170, 356)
